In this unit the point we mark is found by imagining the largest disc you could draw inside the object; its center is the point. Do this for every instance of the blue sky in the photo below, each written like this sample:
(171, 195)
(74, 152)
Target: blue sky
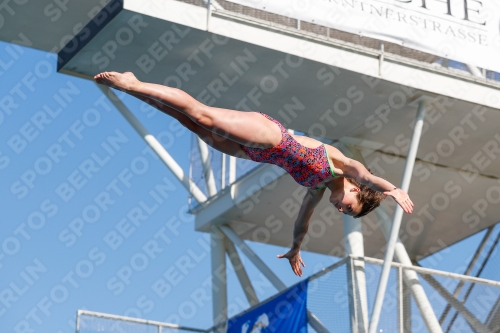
(72, 170)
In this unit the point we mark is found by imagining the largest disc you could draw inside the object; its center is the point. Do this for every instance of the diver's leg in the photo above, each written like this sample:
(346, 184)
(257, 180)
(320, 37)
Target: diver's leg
(246, 128)
(218, 142)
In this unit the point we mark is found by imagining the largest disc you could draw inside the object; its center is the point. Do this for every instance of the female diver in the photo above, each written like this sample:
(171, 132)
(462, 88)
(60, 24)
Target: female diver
(252, 135)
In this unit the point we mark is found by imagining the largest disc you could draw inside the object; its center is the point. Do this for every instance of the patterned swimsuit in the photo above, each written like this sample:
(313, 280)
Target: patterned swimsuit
(308, 166)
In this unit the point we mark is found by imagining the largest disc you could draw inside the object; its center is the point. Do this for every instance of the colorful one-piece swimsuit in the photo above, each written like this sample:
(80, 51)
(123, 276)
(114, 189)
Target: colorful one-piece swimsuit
(308, 166)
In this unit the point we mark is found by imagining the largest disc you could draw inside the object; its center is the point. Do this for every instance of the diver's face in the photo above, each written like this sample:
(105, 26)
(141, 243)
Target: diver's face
(346, 200)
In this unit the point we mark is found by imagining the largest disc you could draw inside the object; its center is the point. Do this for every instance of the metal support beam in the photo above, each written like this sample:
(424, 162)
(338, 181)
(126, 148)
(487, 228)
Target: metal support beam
(108, 316)
(493, 317)
(155, 145)
(214, 4)
(351, 292)
(474, 70)
(78, 313)
(268, 273)
(209, 14)
(353, 244)
(223, 171)
(241, 273)
(478, 273)
(211, 5)
(476, 325)
(381, 59)
(406, 309)
(410, 277)
(232, 169)
(401, 315)
(207, 168)
(405, 184)
(219, 286)
(468, 270)
(316, 323)
(435, 272)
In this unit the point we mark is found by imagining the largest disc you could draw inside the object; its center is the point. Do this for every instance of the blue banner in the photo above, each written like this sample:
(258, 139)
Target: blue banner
(285, 313)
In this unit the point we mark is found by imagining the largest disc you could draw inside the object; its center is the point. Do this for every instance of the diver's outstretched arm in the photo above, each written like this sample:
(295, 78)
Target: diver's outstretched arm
(347, 167)
(356, 170)
(309, 203)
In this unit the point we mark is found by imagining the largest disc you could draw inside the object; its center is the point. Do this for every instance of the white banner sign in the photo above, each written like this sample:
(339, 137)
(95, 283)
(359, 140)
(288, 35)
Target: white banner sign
(467, 31)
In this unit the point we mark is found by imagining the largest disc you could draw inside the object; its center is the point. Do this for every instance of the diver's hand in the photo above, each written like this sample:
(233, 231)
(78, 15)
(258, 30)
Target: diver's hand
(295, 260)
(402, 199)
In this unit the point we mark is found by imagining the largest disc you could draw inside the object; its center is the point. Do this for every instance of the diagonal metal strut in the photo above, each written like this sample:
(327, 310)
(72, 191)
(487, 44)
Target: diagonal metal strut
(268, 273)
(154, 144)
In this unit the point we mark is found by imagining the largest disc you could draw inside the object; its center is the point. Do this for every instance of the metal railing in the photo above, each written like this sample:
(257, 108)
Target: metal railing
(92, 322)
(334, 304)
(312, 30)
(332, 296)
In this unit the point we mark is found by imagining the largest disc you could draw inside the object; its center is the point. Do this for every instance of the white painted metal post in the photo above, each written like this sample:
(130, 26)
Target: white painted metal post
(241, 273)
(474, 70)
(140, 321)
(407, 309)
(410, 277)
(207, 168)
(232, 169)
(353, 236)
(219, 287)
(381, 59)
(401, 318)
(223, 171)
(155, 145)
(405, 184)
(209, 14)
(353, 245)
(353, 304)
(78, 321)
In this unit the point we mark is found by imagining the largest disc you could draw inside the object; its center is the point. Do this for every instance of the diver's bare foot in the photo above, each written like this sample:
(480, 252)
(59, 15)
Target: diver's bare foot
(121, 81)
